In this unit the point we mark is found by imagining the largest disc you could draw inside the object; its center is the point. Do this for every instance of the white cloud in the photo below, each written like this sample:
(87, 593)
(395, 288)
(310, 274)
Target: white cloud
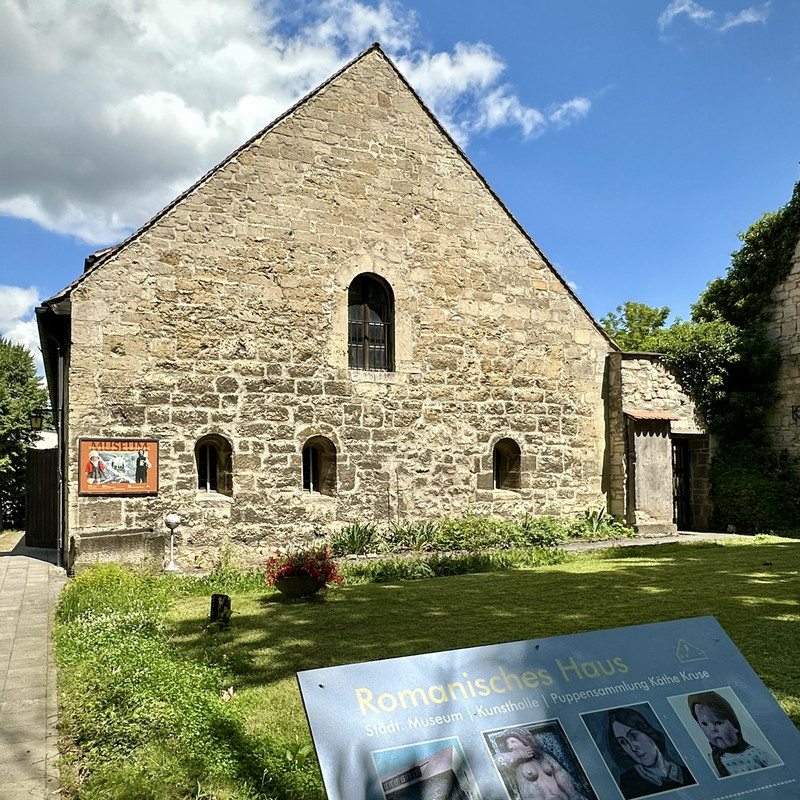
(745, 17)
(569, 112)
(695, 12)
(462, 89)
(710, 19)
(15, 304)
(500, 107)
(112, 107)
(17, 323)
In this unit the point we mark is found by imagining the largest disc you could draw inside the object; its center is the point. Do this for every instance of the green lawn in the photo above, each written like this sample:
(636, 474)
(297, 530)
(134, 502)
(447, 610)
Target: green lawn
(753, 589)
(254, 746)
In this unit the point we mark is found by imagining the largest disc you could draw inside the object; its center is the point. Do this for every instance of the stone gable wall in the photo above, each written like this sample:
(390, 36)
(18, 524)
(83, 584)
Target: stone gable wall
(228, 316)
(641, 382)
(648, 385)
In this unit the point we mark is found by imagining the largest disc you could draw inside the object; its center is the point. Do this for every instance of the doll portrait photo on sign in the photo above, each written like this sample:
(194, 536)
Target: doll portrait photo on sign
(725, 732)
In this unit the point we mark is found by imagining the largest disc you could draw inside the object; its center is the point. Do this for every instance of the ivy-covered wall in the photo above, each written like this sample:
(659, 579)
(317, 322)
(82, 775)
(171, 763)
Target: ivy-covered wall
(738, 357)
(783, 328)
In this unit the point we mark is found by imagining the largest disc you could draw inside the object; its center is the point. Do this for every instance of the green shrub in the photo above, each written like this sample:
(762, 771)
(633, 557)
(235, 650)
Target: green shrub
(595, 524)
(355, 538)
(438, 564)
(755, 491)
(543, 531)
(418, 536)
(474, 533)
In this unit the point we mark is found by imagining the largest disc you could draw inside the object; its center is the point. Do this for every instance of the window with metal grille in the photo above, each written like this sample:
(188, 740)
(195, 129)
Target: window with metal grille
(207, 468)
(370, 329)
(506, 463)
(319, 466)
(213, 458)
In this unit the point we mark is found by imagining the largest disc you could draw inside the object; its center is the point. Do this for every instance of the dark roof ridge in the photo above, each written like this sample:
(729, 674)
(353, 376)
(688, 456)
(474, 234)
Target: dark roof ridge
(497, 199)
(100, 257)
(108, 253)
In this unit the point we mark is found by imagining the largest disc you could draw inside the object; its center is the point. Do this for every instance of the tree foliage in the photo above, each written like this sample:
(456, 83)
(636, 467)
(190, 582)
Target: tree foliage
(633, 324)
(743, 299)
(702, 355)
(21, 392)
(726, 361)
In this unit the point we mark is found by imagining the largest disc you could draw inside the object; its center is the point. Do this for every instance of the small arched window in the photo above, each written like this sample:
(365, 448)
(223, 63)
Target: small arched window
(319, 466)
(370, 329)
(213, 459)
(506, 465)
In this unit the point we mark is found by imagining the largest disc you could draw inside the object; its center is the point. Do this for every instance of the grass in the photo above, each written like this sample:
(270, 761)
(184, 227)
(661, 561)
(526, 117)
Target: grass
(752, 588)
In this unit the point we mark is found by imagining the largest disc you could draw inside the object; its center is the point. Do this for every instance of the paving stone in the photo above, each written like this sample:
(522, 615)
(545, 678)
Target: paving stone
(29, 589)
(28, 751)
(20, 693)
(23, 790)
(25, 677)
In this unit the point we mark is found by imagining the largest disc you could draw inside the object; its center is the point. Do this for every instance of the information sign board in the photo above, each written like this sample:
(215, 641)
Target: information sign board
(670, 709)
(118, 467)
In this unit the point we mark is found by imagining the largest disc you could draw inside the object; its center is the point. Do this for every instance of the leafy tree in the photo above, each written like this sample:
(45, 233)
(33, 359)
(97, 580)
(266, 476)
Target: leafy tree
(727, 363)
(744, 300)
(21, 392)
(702, 355)
(633, 324)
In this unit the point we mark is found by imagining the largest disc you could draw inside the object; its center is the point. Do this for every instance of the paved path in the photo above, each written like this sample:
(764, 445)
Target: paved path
(29, 589)
(637, 541)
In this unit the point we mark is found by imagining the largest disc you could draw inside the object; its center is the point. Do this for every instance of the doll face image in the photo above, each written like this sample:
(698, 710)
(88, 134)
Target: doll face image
(719, 730)
(638, 746)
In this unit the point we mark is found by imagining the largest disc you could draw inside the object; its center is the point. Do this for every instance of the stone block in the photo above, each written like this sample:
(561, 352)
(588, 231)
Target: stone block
(142, 548)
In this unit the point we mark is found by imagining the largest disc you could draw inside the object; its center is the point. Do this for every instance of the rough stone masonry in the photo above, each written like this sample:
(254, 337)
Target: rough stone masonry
(226, 316)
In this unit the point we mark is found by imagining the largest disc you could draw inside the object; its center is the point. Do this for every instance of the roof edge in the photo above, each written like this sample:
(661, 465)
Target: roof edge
(100, 257)
(96, 260)
(496, 197)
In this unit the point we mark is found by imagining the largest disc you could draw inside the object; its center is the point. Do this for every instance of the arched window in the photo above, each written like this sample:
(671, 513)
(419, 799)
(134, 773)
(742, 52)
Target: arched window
(370, 329)
(319, 466)
(213, 459)
(506, 465)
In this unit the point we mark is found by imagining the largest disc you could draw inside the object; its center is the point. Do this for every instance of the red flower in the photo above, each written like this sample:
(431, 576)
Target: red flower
(314, 562)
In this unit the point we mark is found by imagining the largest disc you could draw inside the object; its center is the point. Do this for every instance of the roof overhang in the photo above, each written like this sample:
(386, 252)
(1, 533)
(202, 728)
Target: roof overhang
(650, 415)
(54, 322)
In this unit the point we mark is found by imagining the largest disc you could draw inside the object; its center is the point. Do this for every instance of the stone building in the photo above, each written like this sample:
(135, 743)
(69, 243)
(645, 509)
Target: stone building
(342, 321)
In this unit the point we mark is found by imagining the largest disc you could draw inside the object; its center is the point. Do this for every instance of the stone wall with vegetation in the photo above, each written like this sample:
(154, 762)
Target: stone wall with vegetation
(783, 328)
(649, 385)
(228, 315)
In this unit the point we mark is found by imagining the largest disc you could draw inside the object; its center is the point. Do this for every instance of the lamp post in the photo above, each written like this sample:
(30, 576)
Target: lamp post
(172, 521)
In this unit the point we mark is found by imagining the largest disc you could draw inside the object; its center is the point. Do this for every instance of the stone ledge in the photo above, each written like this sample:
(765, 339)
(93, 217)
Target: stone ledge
(140, 547)
(647, 529)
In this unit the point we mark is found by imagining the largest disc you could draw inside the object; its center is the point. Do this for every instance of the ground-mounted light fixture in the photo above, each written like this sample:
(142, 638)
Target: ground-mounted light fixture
(172, 521)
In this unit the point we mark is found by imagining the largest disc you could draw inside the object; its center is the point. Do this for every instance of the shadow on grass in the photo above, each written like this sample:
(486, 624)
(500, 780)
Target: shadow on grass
(753, 590)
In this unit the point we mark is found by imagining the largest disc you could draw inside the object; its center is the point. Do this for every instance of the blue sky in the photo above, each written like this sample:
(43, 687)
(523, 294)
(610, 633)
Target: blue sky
(633, 139)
